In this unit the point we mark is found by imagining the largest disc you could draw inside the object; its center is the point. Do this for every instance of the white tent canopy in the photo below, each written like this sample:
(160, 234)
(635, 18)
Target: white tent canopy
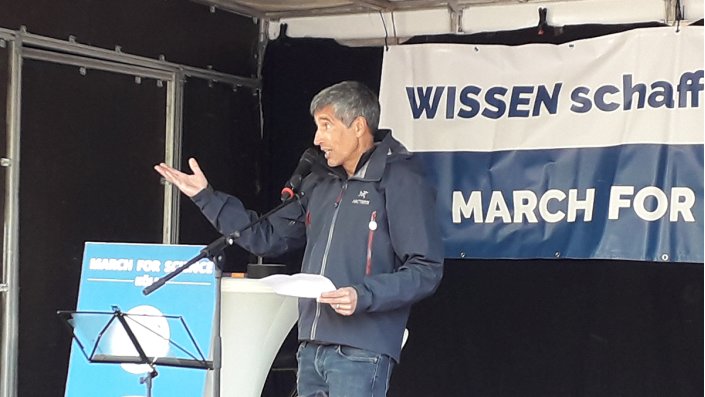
(360, 20)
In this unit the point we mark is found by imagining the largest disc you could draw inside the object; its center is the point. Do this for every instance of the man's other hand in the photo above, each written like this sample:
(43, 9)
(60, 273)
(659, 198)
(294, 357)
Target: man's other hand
(342, 300)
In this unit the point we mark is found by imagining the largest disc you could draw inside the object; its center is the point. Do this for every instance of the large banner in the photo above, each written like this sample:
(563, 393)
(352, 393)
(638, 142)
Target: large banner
(591, 149)
(114, 275)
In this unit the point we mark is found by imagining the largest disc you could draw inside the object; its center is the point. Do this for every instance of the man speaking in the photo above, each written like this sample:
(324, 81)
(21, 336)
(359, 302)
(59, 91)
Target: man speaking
(367, 220)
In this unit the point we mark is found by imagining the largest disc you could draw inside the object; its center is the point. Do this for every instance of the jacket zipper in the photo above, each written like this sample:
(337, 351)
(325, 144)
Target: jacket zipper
(370, 237)
(324, 262)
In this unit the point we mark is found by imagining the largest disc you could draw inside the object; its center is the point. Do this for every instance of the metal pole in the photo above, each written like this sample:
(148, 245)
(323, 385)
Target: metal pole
(218, 342)
(10, 259)
(172, 155)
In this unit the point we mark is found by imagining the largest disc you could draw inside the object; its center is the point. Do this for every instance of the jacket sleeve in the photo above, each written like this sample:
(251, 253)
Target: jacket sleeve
(416, 240)
(282, 231)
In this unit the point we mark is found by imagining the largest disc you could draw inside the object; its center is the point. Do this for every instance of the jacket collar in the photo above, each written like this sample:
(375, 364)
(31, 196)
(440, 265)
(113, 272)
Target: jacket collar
(386, 147)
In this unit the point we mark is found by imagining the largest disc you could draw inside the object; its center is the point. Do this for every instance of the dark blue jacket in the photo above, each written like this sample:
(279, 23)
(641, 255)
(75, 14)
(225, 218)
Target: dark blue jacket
(375, 231)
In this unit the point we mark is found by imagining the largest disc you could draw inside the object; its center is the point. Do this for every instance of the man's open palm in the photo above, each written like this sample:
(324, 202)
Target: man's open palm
(189, 185)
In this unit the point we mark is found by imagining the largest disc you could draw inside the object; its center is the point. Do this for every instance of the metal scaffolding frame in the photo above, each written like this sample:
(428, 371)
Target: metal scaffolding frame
(23, 45)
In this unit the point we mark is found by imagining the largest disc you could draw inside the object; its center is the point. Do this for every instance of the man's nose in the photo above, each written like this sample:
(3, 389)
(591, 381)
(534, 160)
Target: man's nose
(317, 138)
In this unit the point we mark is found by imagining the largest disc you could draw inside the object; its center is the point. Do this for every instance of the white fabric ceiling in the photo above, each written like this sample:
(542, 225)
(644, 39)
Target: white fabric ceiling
(274, 9)
(364, 20)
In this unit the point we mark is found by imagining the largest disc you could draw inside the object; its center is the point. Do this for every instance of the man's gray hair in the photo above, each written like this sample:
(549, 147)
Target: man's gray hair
(349, 100)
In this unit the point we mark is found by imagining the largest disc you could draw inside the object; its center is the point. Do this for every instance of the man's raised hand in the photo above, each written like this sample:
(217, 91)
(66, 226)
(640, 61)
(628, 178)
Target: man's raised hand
(189, 185)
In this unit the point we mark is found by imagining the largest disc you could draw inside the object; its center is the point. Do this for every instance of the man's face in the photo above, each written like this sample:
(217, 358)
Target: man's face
(338, 142)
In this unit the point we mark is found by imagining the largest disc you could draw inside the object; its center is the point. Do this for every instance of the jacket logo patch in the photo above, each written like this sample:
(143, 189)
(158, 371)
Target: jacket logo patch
(362, 198)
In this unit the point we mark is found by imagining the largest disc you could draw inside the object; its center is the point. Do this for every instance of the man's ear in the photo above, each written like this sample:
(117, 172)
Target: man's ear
(360, 125)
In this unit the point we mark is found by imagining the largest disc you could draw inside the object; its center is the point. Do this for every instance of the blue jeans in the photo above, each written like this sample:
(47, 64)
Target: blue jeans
(341, 371)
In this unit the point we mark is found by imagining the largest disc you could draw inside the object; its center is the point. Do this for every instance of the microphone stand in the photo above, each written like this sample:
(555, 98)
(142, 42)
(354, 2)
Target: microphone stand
(213, 251)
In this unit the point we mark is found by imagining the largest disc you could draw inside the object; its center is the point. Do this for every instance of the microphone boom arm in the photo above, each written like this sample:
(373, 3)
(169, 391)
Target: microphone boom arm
(216, 248)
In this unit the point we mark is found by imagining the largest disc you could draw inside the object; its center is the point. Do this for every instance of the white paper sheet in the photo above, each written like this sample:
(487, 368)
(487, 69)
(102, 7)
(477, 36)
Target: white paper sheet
(301, 285)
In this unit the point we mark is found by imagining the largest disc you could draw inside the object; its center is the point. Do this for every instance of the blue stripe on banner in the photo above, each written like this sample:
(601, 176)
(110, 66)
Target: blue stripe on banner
(635, 202)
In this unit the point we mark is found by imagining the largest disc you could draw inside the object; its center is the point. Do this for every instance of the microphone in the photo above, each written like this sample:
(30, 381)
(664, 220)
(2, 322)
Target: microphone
(302, 170)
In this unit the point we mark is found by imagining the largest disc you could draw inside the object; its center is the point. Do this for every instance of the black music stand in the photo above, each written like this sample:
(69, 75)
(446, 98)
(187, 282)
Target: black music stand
(121, 338)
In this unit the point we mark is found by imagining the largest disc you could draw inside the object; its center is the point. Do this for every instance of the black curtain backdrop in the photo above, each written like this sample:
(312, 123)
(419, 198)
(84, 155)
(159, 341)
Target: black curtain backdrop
(221, 130)
(502, 327)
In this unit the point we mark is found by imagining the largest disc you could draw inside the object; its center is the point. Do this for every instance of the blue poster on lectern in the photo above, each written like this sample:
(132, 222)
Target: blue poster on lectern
(113, 276)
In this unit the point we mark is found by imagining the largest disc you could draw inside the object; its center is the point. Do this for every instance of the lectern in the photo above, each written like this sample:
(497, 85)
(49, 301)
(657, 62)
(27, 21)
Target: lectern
(254, 323)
